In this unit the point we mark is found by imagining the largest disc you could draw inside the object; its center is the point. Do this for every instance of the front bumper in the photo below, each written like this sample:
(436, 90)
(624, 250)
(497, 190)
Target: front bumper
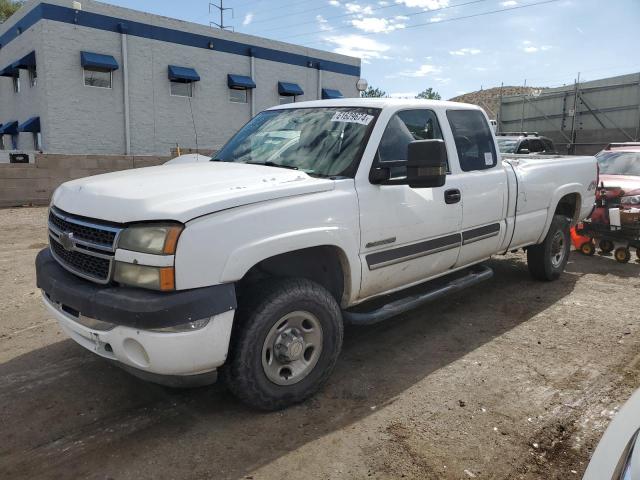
(192, 354)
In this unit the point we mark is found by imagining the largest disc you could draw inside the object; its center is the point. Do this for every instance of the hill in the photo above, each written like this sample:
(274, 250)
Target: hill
(489, 98)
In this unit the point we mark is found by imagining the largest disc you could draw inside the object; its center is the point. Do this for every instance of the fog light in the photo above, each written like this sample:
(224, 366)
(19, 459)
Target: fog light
(183, 327)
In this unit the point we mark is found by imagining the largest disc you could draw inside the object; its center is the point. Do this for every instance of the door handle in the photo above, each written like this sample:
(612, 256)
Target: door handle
(452, 196)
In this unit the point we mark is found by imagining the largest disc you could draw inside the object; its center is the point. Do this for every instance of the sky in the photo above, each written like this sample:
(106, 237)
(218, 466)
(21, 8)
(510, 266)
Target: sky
(453, 46)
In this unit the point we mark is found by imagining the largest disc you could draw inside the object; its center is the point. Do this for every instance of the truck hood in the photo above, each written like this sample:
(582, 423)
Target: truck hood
(181, 192)
(628, 183)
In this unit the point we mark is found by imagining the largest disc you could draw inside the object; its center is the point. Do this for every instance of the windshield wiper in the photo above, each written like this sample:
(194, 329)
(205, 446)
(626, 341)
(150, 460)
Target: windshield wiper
(272, 164)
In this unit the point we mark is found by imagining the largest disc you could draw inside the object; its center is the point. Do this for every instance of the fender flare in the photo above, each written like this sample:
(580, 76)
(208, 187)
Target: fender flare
(243, 258)
(558, 194)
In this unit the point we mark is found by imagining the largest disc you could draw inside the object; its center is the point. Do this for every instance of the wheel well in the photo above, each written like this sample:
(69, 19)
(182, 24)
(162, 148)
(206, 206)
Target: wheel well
(326, 265)
(570, 206)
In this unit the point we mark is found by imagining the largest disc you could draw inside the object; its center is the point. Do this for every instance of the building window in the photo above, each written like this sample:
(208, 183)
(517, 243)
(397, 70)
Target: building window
(95, 77)
(182, 89)
(37, 141)
(287, 99)
(16, 84)
(238, 96)
(2, 147)
(33, 76)
(14, 141)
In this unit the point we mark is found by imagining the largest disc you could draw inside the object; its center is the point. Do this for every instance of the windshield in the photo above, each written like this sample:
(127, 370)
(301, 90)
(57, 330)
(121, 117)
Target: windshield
(507, 145)
(326, 142)
(619, 163)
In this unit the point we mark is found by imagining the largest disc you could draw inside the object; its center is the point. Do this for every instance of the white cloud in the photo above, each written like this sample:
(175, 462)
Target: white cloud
(323, 23)
(248, 18)
(437, 18)
(383, 3)
(464, 51)
(424, 4)
(509, 3)
(442, 80)
(358, 46)
(377, 25)
(356, 8)
(530, 47)
(480, 69)
(334, 3)
(422, 71)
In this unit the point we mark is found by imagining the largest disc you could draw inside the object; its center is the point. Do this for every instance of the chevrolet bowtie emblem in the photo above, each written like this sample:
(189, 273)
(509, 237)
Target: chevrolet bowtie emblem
(66, 240)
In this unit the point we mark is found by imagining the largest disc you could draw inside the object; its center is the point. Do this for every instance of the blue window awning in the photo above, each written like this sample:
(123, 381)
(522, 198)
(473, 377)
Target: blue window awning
(183, 74)
(330, 93)
(9, 128)
(287, 89)
(240, 82)
(97, 60)
(31, 125)
(9, 71)
(28, 61)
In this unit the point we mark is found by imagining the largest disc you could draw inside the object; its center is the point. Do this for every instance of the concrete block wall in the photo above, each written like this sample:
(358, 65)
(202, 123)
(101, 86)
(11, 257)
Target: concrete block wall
(33, 184)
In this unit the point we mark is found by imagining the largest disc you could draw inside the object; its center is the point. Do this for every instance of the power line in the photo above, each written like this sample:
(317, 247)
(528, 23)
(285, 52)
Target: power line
(453, 19)
(373, 10)
(413, 14)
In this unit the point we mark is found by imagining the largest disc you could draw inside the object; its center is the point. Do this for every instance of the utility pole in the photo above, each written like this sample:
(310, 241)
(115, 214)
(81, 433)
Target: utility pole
(523, 98)
(576, 92)
(221, 9)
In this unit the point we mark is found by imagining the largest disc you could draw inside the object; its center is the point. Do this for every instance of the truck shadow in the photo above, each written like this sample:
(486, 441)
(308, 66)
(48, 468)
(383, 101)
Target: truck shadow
(68, 414)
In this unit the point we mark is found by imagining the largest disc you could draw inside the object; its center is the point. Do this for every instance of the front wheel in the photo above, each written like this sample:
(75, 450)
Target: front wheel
(548, 259)
(285, 343)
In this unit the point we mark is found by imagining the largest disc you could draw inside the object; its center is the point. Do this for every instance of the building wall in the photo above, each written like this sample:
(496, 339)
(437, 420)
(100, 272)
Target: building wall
(31, 101)
(78, 120)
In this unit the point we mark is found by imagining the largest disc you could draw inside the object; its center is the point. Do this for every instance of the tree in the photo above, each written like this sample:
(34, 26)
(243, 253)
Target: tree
(373, 92)
(8, 8)
(429, 94)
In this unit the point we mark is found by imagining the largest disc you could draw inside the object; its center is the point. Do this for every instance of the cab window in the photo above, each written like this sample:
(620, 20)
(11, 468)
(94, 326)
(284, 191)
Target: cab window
(474, 141)
(403, 128)
(536, 146)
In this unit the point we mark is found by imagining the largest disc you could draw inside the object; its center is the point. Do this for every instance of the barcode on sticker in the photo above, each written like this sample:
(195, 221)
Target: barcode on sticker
(488, 159)
(352, 117)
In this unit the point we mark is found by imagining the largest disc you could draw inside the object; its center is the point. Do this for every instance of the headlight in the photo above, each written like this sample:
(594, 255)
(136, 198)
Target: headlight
(631, 200)
(143, 276)
(159, 239)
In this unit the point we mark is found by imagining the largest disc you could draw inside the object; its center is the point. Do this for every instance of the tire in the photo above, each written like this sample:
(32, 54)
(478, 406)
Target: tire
(270, 335)
(548, 259)
(622, 254)
(588, 249)
(606, 246)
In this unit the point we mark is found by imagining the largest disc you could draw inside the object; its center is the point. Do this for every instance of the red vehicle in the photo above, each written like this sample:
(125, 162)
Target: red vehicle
(620, 167)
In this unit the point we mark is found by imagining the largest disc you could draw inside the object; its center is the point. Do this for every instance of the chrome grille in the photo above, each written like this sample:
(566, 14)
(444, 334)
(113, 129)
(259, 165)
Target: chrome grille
(84, 247)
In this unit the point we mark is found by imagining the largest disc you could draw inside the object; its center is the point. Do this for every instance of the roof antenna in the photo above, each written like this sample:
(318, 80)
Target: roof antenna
(221, 9)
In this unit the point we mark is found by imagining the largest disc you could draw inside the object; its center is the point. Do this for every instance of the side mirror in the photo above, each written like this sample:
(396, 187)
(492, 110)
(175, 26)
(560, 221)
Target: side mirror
(426, 163)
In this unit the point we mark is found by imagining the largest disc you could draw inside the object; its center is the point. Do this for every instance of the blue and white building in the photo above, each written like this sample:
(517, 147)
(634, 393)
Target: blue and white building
(90, 78)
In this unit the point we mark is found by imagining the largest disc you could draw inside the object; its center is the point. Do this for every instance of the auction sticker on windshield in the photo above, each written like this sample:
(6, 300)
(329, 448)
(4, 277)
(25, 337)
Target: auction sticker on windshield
(352, 117)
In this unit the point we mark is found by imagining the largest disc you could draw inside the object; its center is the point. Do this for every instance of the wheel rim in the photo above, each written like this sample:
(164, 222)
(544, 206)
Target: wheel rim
(557, 249)
(292, 348)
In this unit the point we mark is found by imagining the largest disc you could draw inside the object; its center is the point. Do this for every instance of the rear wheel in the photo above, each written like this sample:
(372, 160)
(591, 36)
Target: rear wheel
(285, 344)
(606, 246)
(547, 260)
(622, 254)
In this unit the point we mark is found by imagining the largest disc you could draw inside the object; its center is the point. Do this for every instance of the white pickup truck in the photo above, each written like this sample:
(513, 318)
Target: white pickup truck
(250, 264)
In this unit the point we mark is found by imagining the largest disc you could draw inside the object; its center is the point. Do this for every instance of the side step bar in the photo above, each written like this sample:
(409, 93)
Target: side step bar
(475, 275)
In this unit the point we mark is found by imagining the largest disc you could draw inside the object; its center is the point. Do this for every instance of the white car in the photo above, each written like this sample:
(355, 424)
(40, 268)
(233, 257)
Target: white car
(617, 456)
(250, 264)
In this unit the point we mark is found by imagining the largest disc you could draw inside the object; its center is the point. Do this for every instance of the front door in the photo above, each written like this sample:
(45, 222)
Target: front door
(407, 234)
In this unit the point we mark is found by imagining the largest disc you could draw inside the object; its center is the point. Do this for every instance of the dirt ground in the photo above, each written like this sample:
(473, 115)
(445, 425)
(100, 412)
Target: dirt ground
(513, 379)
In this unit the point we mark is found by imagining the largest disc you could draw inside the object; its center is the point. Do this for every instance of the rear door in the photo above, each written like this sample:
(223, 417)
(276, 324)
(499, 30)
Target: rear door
(483, 181)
